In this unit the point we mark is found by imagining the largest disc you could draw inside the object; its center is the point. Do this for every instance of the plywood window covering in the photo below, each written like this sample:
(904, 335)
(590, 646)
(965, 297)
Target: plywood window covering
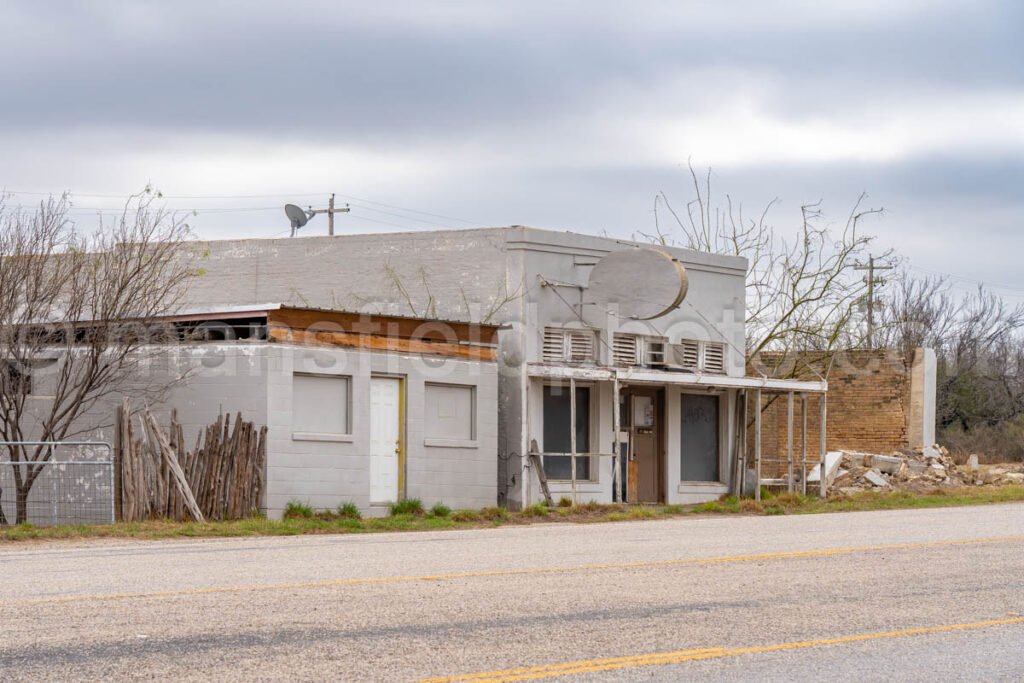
(714, 357)
(624, 349)
(449, 411)
(321, 404)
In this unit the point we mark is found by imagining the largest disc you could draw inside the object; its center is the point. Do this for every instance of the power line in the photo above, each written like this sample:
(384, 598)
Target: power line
(402, 208)
(166, 196)
(359, 200)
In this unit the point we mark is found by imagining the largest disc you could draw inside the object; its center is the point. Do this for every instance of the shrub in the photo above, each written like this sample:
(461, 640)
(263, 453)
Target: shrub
(591, 506)
(536, 510)
(349, 510)
(440, 510)
(298, 510)
(409, 506)
(674, 509)
(565, 502)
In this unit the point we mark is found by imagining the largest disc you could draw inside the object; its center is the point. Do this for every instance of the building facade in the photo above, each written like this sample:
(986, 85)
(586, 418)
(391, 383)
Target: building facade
(571, 346)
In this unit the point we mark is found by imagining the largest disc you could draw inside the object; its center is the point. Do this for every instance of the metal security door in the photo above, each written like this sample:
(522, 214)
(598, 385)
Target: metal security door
(385, 439)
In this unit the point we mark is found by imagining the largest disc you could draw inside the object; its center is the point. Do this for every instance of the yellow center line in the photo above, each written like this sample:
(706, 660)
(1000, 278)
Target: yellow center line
(660, 658)
(798, 554)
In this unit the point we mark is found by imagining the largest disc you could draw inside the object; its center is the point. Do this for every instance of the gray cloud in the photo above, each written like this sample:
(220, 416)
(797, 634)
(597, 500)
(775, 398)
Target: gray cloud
(339, 71)
(569, 115)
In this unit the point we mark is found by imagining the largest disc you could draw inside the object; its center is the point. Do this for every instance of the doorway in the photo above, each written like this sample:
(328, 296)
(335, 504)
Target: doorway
(642, 416)
(387, 445)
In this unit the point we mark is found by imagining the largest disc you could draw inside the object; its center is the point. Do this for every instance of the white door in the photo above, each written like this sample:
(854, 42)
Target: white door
(385, 438)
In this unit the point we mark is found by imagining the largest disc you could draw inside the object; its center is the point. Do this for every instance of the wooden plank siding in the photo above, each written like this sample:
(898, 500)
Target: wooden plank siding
(383, 333)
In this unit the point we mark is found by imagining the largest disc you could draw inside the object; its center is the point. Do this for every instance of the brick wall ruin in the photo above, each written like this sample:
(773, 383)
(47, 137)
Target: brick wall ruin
(870, 404)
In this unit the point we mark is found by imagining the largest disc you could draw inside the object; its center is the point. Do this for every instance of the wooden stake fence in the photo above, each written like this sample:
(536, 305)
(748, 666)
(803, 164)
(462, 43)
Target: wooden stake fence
(220, 478)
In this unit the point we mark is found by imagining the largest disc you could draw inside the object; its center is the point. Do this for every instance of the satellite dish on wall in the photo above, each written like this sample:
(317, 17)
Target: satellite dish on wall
(643, 283)
(296, 215)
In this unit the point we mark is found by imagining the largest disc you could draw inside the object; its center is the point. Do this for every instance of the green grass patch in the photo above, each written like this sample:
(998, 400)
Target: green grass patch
(298, 510)
(494, 514)
(300, 518)
(440, 510)
(349, 511)
(409, 506)
(535, 510)
(465, 516)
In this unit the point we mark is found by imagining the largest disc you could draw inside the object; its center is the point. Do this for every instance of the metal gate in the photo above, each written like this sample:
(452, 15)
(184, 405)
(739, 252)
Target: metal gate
(74, 486)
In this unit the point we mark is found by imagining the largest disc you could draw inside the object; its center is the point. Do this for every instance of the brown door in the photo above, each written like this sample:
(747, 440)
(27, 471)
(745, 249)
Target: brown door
(644, 407)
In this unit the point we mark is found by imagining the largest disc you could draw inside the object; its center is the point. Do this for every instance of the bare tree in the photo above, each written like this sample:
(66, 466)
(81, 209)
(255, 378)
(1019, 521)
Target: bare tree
(977, 339)
(802, 291)
(77, 312)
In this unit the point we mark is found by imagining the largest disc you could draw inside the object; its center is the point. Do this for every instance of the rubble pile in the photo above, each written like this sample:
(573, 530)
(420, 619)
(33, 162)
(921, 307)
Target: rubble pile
(916, 470)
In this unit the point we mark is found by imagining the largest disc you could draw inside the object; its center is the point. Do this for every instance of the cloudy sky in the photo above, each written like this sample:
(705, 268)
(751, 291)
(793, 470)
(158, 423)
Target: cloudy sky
(567, 115)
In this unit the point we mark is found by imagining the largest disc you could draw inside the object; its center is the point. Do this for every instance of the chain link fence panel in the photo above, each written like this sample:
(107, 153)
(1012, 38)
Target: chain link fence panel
(74, 486)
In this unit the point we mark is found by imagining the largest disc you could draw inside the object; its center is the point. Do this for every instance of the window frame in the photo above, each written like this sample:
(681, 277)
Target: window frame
(593, 401)
(340, 437)
(722, 436)
(442, 442)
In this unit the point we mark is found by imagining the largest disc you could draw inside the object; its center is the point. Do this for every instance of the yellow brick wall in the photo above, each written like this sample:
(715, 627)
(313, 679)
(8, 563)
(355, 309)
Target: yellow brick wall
(868, 404)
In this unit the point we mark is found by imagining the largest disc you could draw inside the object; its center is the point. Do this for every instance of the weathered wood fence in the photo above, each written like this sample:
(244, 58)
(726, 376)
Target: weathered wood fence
(221, 478)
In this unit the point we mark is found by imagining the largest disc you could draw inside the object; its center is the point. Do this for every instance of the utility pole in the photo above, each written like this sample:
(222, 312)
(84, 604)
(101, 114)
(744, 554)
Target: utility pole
(330, 211)
(872, 281)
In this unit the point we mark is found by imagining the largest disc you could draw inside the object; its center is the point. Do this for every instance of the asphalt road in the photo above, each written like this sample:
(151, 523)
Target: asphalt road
(903, 595)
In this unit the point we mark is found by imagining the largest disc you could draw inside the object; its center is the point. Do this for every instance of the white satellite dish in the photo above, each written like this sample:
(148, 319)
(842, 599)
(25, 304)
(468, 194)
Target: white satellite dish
(639, 284)
(297, 216)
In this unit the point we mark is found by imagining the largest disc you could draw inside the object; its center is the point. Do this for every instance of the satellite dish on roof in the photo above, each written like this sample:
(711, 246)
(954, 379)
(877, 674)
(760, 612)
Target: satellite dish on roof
(296, 215)
(642, 284)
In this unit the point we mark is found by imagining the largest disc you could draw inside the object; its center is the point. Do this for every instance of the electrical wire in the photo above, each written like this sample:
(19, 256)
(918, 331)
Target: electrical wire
(353, 198)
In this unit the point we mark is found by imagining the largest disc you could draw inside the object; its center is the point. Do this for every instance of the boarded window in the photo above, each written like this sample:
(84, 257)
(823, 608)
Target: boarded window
(557, 437)
(699, 438)
(320, 404)
(450, 411)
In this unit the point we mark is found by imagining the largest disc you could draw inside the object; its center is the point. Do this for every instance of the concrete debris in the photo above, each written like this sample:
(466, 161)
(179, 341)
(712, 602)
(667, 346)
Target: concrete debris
(890, 464)
(919, 471)
(832, 462)
(875, 478)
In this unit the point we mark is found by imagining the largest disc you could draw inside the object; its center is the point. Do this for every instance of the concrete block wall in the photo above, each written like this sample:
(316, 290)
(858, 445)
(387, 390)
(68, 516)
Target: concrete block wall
(447, 274)
(325, 474)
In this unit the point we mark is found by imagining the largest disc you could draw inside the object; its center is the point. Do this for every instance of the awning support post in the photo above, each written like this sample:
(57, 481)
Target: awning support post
(789, 441)
(572, 435)
(744, 450)
(824, 414)
(803, 444)
(757, 444)
(617, 484)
